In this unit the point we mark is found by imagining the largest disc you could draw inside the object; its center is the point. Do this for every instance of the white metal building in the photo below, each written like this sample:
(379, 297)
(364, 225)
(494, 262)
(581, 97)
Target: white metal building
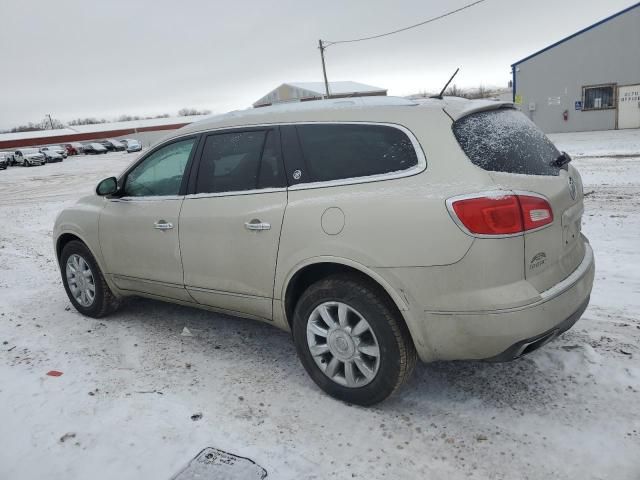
(305, 91)
(587, 81)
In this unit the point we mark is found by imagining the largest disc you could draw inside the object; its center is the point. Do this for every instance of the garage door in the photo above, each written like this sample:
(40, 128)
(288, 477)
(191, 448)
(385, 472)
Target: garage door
(629, 106)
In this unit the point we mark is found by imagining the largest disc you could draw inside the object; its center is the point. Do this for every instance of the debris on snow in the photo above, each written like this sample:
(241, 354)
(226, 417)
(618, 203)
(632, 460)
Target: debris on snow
(186, 332)
(214, 463)
(67, 436)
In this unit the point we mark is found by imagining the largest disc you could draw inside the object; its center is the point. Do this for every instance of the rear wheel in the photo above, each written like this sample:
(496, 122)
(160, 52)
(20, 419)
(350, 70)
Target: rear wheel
(84, 282)
(351, 340)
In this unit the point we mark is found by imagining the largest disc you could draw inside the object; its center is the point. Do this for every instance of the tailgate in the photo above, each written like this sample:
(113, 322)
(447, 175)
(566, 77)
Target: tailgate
(520, 158)
(556, 250)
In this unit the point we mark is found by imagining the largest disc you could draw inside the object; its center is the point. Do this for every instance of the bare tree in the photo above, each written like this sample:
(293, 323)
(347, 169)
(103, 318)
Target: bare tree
(185, 112)
(454, 91)
(86, 121)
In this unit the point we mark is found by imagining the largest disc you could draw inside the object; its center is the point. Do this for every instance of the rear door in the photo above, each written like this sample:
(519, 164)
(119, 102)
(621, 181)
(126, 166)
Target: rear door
(230, 224)
(519, 158)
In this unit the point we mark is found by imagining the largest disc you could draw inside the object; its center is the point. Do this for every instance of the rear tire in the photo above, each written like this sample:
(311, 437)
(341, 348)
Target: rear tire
(80, 272)
(366, 361)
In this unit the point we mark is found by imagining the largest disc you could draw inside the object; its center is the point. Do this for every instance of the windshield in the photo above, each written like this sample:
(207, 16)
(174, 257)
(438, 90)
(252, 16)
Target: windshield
(506, 141)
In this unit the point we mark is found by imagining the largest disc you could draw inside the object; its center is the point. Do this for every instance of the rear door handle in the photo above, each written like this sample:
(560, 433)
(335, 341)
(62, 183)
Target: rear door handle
(256, 224)
(163, 225)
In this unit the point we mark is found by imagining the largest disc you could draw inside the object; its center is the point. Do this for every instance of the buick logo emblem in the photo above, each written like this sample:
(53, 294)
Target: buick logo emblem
(573, 191)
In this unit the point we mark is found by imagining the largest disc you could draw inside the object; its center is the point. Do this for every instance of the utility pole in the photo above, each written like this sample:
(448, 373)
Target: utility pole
(50, 121)
(324, 68)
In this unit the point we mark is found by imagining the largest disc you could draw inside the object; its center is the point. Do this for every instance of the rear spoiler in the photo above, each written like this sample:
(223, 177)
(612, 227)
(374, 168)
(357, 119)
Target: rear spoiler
(457, 108)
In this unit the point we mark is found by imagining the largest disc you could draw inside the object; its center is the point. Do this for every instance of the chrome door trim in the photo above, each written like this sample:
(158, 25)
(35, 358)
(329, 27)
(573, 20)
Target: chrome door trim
(256, 191)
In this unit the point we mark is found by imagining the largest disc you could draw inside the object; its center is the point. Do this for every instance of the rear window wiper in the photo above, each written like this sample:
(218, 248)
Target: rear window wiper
(562, 160)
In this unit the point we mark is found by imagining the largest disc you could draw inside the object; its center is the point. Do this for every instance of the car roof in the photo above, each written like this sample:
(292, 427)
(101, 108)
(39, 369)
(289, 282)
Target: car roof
(338, 109)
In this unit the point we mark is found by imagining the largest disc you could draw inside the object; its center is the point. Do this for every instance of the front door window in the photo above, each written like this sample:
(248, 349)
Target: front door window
(161, 173)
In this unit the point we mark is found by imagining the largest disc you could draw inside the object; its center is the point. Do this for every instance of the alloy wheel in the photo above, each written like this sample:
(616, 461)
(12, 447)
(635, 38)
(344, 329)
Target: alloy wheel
(343, 344)
(80, 280)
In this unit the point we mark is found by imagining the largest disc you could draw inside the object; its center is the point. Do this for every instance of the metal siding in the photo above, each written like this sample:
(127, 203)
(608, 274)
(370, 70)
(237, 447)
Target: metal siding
(608, 53)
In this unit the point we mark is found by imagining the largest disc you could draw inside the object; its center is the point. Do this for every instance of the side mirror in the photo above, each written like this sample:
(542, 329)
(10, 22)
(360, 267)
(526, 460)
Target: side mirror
(108, 186)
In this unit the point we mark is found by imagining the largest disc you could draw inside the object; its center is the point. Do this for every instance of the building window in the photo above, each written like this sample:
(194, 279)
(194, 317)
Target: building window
(598, 97)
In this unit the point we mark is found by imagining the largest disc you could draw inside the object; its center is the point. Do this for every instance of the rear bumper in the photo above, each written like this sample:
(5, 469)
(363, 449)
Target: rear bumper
(529, 345)
(506, 334)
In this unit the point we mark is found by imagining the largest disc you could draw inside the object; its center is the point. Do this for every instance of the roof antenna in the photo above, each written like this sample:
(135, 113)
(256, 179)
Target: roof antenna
(446, 85)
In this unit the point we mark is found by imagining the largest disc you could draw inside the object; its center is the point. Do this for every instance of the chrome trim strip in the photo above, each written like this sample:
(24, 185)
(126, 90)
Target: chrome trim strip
(128, 278)
(257, 191)
(577, 274)
(227, 294)
(493, 194)
(146, 199)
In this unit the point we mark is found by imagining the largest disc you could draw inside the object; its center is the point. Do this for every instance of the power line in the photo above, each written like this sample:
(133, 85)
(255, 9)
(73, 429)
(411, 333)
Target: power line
(328, 43)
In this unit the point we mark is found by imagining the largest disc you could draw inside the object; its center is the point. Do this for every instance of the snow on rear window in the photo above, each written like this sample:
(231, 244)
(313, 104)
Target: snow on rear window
(506, 141)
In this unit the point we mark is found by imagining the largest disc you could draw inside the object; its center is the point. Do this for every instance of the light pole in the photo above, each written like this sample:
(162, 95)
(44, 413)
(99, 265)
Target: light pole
(324, 67)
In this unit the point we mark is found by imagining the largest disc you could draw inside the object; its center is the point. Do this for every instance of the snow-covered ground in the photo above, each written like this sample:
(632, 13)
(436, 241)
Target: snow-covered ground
(131, 382)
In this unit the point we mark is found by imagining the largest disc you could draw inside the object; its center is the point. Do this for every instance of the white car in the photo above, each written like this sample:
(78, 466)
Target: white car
(376, 230)
(28, 157)
(51, 155)
(55, 148)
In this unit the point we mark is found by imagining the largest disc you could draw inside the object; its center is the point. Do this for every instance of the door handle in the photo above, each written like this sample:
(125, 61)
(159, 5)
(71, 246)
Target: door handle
(256, 224)
(163, 225)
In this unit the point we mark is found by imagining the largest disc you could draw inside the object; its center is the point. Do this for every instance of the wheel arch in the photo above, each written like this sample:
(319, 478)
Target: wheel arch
(65, 237)
(313, 270)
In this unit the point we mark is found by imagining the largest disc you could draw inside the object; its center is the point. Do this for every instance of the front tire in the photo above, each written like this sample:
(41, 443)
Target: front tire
(351, 340)
(84, 283)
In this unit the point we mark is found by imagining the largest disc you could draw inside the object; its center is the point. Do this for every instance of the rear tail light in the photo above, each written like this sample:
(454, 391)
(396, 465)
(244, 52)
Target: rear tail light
(500, 214)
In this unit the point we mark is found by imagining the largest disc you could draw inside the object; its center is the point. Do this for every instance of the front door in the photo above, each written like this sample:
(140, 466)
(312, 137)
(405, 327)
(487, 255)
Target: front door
(629, 106)
(139, 228)
(230, 226)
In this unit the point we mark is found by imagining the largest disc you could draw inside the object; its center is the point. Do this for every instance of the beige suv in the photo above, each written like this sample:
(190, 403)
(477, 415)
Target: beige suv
(377, 230)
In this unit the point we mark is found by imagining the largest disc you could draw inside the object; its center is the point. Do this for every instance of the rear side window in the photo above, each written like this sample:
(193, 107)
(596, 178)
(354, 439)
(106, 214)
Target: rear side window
(506, 141)
(239, 161)
(333, 152)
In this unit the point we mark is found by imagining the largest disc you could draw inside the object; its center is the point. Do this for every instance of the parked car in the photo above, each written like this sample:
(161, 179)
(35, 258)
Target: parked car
(112, 145)
(133, 145)
(56, 148)
(28, 157)
(73, 148)
(4, 161)
(376, 229)
(51, 155)
(9, 157)
(93, 148)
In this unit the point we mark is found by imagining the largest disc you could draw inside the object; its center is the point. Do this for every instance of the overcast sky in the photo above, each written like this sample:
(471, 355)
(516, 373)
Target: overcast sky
(75, 58)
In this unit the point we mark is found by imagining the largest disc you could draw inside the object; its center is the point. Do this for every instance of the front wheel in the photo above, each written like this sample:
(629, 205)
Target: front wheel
(84, 282)
(351, 340)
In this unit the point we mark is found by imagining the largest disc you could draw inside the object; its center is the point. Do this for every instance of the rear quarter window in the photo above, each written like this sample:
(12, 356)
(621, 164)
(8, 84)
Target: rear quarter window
(506, 141)
(343, 151)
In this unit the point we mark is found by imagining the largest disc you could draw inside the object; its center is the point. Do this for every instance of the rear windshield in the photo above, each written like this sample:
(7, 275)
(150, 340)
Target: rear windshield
(506, 141)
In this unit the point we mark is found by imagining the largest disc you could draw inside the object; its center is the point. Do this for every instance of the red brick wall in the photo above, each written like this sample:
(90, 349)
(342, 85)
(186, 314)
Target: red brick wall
(81, 137)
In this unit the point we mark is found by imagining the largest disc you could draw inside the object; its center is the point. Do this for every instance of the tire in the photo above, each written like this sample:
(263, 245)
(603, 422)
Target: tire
(104, 301)
(362, 299)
